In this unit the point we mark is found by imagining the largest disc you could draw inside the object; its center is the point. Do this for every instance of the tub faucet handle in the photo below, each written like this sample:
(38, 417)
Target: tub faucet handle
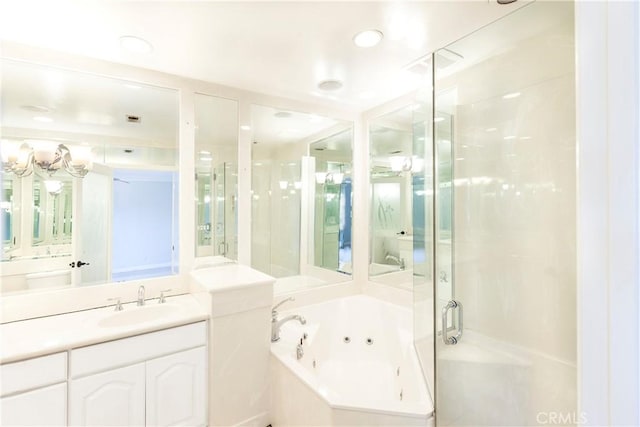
(162, 298)
(118, 305)
(299, 350)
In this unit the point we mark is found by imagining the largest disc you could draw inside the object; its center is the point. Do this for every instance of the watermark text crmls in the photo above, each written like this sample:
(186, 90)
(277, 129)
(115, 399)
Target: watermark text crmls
(561, 418)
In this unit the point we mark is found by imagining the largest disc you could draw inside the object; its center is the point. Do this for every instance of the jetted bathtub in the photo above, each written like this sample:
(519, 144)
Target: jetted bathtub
(359, 367)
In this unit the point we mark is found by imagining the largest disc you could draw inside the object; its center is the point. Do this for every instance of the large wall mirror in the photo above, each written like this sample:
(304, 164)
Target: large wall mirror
(301, 198)
(89, 179)
(395, 174)
(216, 146)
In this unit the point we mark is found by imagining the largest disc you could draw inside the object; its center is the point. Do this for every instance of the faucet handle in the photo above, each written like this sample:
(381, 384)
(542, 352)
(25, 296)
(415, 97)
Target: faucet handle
(273, 310)
(162, 298)
(118, 303)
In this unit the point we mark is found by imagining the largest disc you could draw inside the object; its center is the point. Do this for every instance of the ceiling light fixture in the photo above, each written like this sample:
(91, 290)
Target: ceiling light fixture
(330, 85)
(135, 44)
(511, 95)
(367, 38)
(245, 127)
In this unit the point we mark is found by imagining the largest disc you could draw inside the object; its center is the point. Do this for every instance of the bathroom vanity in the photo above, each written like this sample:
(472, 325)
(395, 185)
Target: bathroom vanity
(144, 365)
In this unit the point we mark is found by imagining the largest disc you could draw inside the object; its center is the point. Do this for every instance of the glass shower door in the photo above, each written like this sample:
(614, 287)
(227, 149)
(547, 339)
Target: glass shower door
(505, 240)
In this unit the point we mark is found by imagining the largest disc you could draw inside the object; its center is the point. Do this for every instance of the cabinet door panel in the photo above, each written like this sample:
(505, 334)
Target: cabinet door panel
(42, 407)
(176, 389)
(112, 398)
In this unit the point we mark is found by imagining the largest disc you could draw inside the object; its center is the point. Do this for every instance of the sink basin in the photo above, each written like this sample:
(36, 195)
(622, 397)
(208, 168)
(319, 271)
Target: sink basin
(136, 315)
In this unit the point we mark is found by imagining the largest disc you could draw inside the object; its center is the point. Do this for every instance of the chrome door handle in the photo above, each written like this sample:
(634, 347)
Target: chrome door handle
(445, 317)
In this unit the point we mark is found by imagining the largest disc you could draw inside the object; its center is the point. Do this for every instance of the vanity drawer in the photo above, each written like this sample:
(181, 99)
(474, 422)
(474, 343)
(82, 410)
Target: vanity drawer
(33, 373)
(127, 351)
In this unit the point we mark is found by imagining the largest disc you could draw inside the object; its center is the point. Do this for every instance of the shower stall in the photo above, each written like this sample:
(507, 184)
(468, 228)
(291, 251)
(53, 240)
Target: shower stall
(495, 298)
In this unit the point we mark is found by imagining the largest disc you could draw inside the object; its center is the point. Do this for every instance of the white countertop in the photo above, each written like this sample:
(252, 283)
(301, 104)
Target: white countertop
(37, 337)
(229, 277)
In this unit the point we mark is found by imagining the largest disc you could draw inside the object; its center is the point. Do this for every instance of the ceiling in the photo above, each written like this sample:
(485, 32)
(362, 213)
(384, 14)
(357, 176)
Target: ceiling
(277, 48)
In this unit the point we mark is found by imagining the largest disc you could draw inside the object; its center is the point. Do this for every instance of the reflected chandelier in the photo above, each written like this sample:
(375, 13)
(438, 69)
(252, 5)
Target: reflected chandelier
(47, 157)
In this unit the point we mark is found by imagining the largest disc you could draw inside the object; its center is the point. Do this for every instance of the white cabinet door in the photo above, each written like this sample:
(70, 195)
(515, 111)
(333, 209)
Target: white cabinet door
(112, 398)
(176, 389)
(41, 407)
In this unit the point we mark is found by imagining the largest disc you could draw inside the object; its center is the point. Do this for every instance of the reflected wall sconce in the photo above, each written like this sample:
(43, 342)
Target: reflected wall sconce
(46, 157)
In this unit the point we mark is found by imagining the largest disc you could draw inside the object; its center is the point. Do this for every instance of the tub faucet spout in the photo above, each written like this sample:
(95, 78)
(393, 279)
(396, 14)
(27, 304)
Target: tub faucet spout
(277, 323)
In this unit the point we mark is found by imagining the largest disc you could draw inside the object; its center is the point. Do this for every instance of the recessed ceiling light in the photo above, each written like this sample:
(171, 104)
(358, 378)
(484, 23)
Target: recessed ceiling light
(367, 38)
(135, 44)
(245, 127)
(330, 85)
(282, 114)
(43, 119)
(509, 137)
(511, 95)
(204, 152)
(491, 129)
(438, 119)
(132, 86)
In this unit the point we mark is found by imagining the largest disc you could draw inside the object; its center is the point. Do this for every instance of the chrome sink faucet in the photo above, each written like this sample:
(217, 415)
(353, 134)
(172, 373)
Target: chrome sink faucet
(277, 323)
(141, 295)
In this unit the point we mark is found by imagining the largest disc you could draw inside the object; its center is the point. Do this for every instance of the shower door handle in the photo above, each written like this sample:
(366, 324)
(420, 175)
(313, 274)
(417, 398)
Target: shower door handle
(453, 304)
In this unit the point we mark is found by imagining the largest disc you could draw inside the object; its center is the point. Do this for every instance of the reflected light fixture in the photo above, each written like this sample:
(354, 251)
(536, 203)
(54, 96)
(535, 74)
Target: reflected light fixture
(367, 38)
(45, 156)
(511, 95)
(330, 85)
(53, 187)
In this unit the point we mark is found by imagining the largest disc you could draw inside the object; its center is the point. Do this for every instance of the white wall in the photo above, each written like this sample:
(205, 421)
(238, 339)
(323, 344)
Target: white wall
(608, 51)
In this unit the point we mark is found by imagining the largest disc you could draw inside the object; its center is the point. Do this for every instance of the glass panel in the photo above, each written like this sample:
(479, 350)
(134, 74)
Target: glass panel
(216, 177)
(505, 144)
(52, 211)
(330, 159)
(301, 198)
(9, 197)
(423, 233)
